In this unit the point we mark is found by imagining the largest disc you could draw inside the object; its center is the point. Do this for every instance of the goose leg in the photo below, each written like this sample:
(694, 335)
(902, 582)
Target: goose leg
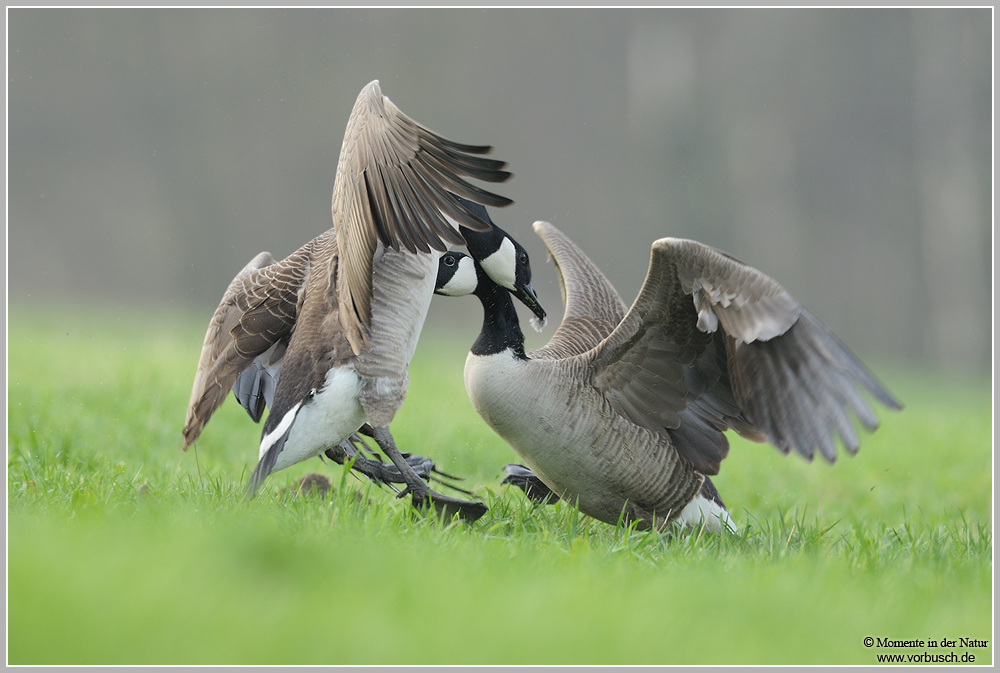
(376, 470)
(420, 492)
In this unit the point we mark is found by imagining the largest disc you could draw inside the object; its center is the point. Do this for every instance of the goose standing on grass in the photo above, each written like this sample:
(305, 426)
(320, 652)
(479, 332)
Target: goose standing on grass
(339, 318)
(623, 412)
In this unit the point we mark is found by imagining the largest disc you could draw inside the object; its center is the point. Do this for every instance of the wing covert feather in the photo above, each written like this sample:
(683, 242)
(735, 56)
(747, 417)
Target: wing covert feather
(258, 310)
(640, 367)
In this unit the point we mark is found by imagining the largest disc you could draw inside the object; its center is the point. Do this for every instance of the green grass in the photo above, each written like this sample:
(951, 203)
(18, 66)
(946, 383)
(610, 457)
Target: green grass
(122, 549)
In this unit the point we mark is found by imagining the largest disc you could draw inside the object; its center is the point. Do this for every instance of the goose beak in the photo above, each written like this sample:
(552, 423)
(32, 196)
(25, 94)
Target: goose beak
(526, 293)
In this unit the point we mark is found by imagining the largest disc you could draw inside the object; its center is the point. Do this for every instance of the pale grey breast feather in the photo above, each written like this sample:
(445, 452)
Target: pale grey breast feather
(399, 306)
(403, 288)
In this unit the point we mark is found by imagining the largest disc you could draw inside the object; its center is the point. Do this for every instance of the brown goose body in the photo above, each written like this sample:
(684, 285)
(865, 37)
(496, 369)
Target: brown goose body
(340, 317)
(615, 470)
(624, 411)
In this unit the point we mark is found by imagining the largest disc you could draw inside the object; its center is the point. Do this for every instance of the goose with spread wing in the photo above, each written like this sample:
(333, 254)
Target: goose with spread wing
(333, 326)
(623, 412)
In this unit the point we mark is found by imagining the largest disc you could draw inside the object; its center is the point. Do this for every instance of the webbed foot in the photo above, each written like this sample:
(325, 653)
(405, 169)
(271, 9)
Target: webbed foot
(528, 481)
(447, 507)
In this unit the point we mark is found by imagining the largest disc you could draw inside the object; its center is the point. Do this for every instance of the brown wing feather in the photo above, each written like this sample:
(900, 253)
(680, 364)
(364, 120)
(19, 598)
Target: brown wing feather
(773, 372)
(393, 187)
(640, 367)
(316, 345)
(748, 304)
(258, 309)
(593, 306)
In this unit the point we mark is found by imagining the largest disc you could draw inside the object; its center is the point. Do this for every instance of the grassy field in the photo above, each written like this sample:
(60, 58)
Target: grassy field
(122, 549)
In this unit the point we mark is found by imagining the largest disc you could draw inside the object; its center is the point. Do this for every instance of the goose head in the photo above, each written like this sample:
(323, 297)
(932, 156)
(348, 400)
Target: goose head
(460, 275)
(501, 258)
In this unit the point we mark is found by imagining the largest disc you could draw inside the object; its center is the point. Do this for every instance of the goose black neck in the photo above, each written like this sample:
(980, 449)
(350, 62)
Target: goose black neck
(501, 329)
(482, 244)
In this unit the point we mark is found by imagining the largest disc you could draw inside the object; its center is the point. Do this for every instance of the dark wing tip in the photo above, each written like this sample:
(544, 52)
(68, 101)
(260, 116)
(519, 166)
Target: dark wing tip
(800, 390)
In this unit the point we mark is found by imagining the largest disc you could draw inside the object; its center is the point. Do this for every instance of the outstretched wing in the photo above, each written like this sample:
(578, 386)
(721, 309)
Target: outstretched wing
(257, 311)
(593, 306)
(394, 184)
(773, 372)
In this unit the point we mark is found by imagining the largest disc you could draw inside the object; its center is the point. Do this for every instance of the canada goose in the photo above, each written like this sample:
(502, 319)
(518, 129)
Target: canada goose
(623, 411)
(339, 318)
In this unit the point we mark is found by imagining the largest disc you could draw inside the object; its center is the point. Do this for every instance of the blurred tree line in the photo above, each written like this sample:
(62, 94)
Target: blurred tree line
(846, 152)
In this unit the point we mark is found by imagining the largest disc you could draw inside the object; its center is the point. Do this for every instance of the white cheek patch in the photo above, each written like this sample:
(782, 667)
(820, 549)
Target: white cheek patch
(464, 280)
(501, 266)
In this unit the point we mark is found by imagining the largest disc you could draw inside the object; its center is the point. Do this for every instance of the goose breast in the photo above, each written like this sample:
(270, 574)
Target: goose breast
(572, 439)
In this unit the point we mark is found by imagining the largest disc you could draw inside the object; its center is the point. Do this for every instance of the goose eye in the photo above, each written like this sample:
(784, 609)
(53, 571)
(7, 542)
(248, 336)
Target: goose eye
(523, 258)
(449, 261)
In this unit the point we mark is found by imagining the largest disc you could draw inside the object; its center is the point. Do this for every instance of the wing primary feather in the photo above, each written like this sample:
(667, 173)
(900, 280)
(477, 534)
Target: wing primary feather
(452, 145)
(432, 220)
(445, 200)
(481, 168)
(379, 208)
(440, 172)
(427, 220)
(406, 219)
